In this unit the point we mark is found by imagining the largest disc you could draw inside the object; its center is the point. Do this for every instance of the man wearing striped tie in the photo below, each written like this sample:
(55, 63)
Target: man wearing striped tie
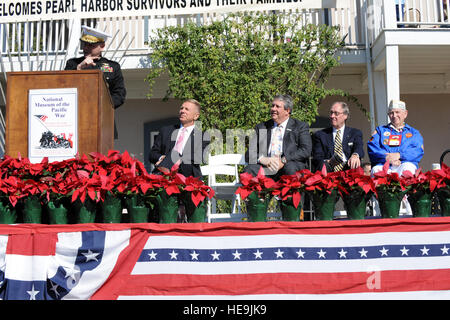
(338, 147)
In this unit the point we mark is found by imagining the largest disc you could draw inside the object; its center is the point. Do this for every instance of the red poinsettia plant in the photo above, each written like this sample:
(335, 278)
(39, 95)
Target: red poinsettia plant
(291, 187)
(440, 178)
(198, 190)
(355, 181)
(321, 181)
(11, 190)
(260, 184)
(386, 181)
(172, 181)
(22, 167)
(419, 182)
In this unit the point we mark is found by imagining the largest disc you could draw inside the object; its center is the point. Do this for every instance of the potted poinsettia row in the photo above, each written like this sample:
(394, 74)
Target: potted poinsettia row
(353, 186)
(92, 188)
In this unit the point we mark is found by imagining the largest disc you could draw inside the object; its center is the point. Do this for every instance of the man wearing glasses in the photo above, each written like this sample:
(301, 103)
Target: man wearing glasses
(338, 147)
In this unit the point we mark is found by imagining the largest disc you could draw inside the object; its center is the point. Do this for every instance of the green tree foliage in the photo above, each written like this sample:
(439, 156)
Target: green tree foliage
(235, 66)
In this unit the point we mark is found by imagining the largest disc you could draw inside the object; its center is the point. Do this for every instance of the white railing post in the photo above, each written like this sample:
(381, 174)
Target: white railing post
(390, 20)
(74, 39)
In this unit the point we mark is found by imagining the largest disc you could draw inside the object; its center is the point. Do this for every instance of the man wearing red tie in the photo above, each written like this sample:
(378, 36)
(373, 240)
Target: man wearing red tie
(182, 143)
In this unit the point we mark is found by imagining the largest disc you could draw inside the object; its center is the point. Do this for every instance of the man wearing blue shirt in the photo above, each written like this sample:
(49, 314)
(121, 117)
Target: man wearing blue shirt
(397, 142)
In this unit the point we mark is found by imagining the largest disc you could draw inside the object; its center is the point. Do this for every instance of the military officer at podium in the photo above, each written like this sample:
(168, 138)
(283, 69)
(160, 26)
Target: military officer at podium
(93, 44)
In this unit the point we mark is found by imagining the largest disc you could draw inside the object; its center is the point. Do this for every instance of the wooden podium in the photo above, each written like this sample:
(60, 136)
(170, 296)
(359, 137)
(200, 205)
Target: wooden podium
(95, 108)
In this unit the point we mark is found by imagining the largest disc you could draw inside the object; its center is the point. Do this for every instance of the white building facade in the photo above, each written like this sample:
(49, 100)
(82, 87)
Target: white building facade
(394, 50)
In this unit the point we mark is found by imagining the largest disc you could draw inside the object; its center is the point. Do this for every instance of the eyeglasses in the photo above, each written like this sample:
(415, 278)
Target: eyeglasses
(336, 113)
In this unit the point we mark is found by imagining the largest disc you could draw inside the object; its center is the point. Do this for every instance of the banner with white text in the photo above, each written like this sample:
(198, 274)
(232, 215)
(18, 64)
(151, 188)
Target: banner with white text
(36, 10)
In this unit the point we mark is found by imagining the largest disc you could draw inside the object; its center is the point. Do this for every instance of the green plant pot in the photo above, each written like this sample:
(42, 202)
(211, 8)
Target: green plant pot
(288, 211)
(111, 209)
(138, 214)
(420, 204)
(83, 212)
(256, 207)
(137, 211)
(32, 210)
(8, 214)
(390, 203)
(355, 204)
(324, 204)
(444, 201)
(57, 214)
(167, 207)
(194, 213)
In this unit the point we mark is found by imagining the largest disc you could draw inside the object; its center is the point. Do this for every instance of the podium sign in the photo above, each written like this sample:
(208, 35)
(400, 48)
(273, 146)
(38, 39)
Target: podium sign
(52, 116)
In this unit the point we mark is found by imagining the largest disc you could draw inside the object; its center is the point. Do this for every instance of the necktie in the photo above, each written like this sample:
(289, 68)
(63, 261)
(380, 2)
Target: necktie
(179, 144)
(338, 150)
(276, 144)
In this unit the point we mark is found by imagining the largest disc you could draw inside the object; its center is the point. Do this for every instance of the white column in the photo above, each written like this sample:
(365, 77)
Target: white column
(386, 84)
(379, 83)
(392, 74)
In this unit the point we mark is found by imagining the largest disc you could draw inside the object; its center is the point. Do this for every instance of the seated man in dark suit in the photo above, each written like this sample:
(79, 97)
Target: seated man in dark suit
(339, 147)
(183, 143)
(283, 144)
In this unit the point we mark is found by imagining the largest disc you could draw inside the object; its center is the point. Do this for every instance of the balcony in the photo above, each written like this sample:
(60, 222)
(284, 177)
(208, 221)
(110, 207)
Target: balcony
(46, 45)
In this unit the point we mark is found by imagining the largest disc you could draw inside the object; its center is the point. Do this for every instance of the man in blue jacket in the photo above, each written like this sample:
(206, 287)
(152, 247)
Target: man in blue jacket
(397, 142)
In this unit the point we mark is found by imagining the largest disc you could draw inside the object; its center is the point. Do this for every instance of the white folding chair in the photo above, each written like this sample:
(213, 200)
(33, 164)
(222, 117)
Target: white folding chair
(226, 165)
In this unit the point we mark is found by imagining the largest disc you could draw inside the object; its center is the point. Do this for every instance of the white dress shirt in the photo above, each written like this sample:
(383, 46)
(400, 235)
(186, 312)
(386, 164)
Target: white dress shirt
(283, 130)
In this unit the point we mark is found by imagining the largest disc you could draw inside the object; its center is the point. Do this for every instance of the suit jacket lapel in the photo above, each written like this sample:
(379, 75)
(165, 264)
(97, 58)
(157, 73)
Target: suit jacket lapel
(269, 126)
(345, 139)
(287, 132)
(330, 140)
(190, 139)
(174, 132)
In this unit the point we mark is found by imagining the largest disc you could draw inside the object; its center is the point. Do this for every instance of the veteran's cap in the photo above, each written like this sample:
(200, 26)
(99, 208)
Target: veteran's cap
(92, 35)
(397, 104)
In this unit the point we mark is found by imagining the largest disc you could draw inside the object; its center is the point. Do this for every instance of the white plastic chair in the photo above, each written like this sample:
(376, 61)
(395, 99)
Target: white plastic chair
(227, 165)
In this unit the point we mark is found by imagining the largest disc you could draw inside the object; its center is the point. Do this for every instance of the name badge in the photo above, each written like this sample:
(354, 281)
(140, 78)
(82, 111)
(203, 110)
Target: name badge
(395, 140)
